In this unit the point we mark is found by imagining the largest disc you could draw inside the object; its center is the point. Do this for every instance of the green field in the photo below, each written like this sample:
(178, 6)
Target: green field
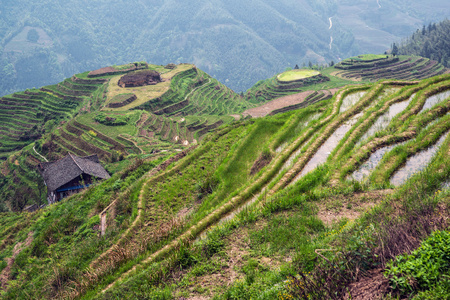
(294, 75)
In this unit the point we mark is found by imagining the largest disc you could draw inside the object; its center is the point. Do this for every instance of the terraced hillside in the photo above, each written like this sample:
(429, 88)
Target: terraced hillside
(376, 67)
(26, 115)
(74, 116)
(193, 92)
(263, 207)
(35, 112)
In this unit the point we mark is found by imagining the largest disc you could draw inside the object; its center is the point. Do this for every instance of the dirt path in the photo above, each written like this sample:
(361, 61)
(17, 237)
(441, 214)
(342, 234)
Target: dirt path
(131, 141)
(41, 156)
(6, 273)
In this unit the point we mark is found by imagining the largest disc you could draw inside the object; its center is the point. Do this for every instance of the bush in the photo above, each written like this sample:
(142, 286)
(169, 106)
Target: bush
(424, 267)
(111, 120)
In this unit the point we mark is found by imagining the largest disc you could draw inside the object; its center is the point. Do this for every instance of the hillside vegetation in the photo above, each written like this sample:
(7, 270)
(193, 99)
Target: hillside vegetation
(370, 67)
(432, 41)
(75, 116)
(311, 203)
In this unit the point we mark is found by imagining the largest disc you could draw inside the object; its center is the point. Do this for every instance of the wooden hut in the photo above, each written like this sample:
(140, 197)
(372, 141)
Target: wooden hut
(70, 175)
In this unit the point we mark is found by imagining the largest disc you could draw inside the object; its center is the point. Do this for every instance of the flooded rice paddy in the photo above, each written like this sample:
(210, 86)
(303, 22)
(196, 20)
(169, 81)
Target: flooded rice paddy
(330, 144)
(350, 100)
(435, 99)
(383, 121)
(416, 163)
(365, 169)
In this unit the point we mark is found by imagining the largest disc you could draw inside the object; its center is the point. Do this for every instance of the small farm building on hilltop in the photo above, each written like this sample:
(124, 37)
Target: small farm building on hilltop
(70, 175)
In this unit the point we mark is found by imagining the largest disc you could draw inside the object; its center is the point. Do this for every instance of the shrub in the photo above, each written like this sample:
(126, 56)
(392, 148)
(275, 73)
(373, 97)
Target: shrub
(424, 267)
(111, 120)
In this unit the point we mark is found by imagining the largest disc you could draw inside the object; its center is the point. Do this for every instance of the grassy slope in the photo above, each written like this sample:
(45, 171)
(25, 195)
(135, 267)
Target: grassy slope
(277, 236)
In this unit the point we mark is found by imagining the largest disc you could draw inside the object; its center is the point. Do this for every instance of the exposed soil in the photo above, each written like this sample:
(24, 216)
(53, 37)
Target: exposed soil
(139, 78)
(282, 102)
(372, 287)
(102, 71)
(236, 253)
(4, 169)
(142, 120)
(260, 163)
(278, 103)
(349, 207)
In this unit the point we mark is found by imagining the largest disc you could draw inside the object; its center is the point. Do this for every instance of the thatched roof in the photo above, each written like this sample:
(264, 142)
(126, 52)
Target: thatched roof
(62, 171)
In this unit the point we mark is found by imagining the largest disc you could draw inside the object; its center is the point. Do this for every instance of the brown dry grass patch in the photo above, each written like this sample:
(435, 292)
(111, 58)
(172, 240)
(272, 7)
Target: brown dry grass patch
(349, 207)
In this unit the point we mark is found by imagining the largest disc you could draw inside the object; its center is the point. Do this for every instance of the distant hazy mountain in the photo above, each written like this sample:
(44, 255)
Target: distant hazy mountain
(239, 42)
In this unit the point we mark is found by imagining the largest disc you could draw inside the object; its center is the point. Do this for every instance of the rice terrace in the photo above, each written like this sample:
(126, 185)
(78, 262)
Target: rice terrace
(294, 75)
(306, 186)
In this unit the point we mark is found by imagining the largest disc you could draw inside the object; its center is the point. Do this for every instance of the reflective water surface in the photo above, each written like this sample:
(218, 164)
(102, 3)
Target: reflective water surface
(330, 144)
(435, 99)
(365, 169)
(351, 100)
(383, 121)
(416, 163)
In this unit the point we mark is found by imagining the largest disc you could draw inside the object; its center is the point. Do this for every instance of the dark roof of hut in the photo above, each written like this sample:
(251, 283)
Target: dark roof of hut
(62, 171)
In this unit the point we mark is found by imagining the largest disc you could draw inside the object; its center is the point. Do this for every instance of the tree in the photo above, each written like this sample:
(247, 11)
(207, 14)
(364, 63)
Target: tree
(32, 35)
(310, 65)
(331, 63)
(394, 50)
(296, 67)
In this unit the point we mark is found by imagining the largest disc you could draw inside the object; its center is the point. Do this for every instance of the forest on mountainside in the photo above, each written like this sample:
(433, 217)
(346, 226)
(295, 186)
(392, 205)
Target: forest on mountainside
(237, 42)
(432, 41)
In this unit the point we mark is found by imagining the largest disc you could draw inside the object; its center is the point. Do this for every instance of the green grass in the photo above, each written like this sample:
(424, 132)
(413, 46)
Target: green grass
(112, 131)
(266, 243)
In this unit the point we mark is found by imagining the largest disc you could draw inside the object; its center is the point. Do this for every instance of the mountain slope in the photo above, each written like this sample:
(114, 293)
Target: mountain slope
(236, 42)
(90, 113)
(155, 211)
(432, 41)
